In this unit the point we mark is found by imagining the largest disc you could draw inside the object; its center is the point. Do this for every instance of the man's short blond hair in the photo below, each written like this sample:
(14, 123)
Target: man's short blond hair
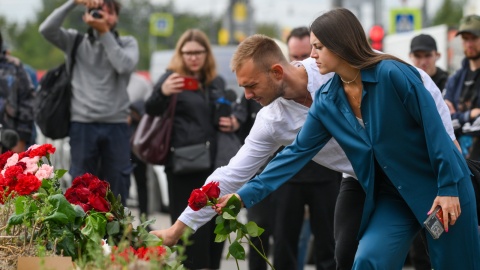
(263, 50)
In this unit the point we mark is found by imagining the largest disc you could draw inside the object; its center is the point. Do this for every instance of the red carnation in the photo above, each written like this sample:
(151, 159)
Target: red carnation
(12, 171)
(98, 203)
(41, 151)
(4, 157)
(126, 254)
(146, 253)
(212, 190)
(27, 184)
(198, 199)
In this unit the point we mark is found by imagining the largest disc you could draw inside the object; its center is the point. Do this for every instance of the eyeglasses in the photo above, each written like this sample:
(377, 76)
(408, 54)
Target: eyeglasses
(193, 53)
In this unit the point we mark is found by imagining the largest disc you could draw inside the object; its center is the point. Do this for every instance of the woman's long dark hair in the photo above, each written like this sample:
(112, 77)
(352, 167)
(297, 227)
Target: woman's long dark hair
(341, 32)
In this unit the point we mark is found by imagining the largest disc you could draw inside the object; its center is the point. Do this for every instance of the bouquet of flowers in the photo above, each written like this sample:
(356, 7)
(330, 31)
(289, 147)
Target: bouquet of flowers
(227, 223)
(36, 218)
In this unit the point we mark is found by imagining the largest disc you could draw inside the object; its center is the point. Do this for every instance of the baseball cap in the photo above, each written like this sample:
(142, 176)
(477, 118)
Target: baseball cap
(470, 24)
(423, 43)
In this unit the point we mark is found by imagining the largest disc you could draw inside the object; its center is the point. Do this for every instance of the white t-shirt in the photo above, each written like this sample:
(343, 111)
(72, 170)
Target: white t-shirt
(277, 125)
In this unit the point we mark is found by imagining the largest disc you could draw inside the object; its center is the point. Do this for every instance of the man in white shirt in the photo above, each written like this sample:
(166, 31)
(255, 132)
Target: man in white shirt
(287, 92)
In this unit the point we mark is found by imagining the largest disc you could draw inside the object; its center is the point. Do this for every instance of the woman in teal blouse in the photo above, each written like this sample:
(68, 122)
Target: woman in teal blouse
(377, 109)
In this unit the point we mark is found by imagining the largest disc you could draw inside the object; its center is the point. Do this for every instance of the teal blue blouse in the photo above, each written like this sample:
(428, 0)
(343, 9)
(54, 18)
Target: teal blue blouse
(403, 132)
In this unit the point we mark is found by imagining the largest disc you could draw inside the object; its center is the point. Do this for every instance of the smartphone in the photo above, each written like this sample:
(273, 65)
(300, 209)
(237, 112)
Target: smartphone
(434, 223)
(190, 83)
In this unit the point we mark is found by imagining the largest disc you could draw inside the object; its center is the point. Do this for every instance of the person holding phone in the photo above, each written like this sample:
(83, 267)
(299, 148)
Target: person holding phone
(405, 175)
(192, 76)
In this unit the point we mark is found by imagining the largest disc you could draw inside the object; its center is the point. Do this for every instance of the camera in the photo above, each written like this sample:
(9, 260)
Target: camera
(8, 139)
(95, 13)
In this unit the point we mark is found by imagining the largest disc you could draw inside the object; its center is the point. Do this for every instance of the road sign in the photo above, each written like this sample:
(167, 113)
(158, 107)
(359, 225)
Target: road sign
(161, 24)
(405, 20)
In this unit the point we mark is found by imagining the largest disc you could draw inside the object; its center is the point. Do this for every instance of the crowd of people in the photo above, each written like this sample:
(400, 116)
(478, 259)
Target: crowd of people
(336, 142)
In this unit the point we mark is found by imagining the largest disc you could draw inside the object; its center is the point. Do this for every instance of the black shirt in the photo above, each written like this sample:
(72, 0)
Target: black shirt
(440, 78)
(471, 86)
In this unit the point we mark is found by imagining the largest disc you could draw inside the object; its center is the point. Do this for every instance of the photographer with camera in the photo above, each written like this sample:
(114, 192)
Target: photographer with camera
(99, 133)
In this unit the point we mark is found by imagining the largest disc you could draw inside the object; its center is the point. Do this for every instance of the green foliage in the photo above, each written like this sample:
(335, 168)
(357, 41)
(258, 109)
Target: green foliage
(269, 29)
(449, 13)
(26, 43)
(227, 223)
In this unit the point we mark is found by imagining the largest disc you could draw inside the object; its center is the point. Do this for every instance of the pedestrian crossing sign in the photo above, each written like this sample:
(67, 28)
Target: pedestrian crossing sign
(405, 20)
(161, 24)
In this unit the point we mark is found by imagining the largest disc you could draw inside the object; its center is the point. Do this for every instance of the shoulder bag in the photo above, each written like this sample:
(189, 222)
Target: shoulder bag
(151, 140)
(192, 158)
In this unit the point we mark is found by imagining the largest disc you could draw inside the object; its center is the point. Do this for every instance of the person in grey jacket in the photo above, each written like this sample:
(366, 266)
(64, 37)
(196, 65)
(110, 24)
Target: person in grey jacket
(99, 134)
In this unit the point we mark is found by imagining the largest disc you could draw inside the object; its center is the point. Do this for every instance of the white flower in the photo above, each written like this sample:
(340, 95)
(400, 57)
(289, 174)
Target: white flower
(106, 248)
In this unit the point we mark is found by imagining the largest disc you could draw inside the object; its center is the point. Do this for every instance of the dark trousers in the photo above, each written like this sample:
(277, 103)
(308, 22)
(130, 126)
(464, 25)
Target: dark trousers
(103, 150)
(204, 253)
(348, 215)
(140, 174)
(419, 252)
(263, 214)
(290, 200)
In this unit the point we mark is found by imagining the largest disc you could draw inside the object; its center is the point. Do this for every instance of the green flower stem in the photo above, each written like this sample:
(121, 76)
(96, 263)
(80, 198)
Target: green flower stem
(259, 252)
(236, 261)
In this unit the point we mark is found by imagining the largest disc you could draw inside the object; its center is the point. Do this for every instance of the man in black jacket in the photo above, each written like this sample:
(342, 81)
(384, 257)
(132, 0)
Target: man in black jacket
(16, 99)
(424, 54)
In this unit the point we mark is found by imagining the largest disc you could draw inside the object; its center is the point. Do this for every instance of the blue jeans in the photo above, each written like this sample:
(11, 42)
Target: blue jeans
(103, 150)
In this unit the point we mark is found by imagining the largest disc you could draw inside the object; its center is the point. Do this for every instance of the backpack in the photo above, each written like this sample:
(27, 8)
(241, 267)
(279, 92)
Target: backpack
(52, 101)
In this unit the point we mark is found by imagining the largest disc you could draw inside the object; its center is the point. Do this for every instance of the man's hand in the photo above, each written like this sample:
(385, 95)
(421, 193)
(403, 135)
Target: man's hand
(474, 113)
(222, 202)
(99, 24)
(450, 207)
(228, 124)
(171, 235)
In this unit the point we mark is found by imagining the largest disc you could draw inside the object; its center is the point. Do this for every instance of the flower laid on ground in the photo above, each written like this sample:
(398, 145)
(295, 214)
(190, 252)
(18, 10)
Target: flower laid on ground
(227, 222)
(37, 219)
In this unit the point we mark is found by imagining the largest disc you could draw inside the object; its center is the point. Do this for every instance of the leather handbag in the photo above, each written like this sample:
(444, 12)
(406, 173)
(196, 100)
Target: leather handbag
(151, 140)
(191, 159)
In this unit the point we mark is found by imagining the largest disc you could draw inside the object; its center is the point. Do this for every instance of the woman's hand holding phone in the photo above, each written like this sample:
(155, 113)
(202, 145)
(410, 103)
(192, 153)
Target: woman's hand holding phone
(173, 84)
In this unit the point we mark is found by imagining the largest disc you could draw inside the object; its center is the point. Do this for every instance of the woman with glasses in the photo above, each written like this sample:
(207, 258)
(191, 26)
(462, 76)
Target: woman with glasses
(192, 77)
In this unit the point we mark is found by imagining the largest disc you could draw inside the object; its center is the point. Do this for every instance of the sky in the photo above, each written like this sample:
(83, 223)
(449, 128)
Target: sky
(287, 13)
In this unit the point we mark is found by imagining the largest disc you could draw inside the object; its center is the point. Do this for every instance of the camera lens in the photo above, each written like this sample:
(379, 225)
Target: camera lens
(95, 13)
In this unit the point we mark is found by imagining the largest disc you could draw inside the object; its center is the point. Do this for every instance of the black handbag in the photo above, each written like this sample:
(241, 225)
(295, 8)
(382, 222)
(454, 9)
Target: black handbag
(191, 159)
